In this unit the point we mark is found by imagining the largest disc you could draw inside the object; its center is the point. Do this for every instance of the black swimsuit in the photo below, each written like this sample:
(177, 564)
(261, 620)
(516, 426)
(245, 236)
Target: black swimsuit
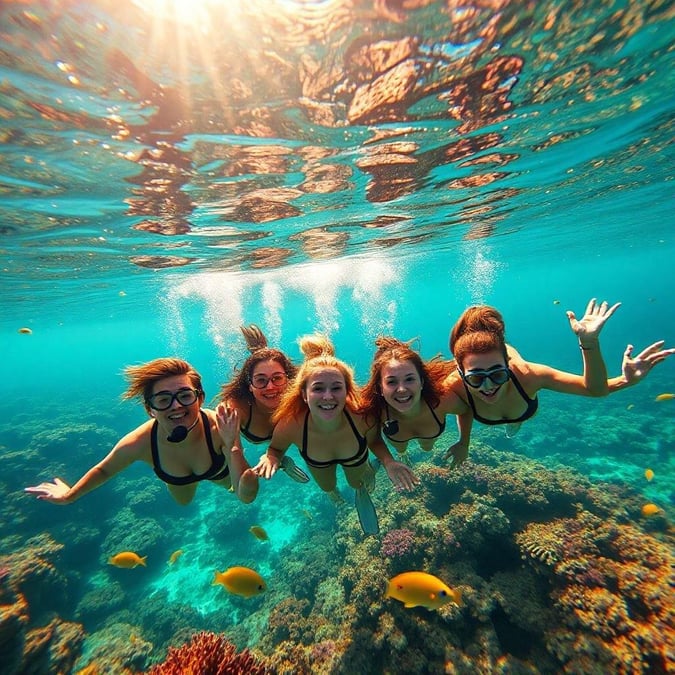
(356, 460)
(441, 428)
(215, 472)
(251, 436)
(532, 405)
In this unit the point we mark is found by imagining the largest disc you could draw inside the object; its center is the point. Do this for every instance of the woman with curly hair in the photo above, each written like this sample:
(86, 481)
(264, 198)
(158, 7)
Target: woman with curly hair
(255, 391)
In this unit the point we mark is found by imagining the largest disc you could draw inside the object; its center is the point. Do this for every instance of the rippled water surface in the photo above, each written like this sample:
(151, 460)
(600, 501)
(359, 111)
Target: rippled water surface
(170, 171)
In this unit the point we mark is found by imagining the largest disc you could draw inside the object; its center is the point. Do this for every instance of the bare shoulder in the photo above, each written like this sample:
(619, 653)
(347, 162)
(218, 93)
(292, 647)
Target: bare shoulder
(136, 444)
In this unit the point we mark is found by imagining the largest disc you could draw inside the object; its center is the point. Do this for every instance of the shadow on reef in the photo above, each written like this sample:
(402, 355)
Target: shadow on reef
(557, 574)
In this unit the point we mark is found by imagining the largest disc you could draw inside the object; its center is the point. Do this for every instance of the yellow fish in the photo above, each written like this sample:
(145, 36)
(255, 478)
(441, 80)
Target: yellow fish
(665, 397)
(650, 510)
(419, 589)
(25, 331)
(259, 532)
(307, 514)
(649, 474)
(175, 555)
(127, 559)
(241, 581)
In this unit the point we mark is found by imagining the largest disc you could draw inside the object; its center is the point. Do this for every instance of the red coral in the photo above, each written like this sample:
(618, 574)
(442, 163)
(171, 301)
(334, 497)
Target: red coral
(209, 654)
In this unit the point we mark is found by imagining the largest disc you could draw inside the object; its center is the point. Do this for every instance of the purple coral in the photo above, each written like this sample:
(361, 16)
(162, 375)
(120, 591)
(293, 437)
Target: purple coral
(397, 543)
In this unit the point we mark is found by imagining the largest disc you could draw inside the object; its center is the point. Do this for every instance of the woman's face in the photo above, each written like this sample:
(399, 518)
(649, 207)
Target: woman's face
(268, 383)
(478, 366)
(401, 385)
(325, 393)
(175, 388)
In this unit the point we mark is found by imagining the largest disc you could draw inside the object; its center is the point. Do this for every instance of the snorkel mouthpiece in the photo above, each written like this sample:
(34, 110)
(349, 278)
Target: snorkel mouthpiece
(180, 432)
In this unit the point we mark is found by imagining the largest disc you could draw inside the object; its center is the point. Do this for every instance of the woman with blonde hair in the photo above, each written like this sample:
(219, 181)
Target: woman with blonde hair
(319, 414)
(256, 389)
(183, 442)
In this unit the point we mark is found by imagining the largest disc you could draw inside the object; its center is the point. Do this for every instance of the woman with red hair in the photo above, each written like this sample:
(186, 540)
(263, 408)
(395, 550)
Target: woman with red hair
(500, 387)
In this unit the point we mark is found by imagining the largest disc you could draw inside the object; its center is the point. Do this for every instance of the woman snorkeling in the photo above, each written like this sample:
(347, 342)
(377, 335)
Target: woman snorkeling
(500, 387)
(319, 414)
(256, 389)
(183, 442)
(410, 398)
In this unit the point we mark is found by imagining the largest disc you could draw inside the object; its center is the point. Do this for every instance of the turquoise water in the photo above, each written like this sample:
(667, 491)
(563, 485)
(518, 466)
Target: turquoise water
(166, 179)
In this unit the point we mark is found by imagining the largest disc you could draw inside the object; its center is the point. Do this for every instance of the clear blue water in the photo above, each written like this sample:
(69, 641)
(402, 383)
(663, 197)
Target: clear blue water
(165, 181)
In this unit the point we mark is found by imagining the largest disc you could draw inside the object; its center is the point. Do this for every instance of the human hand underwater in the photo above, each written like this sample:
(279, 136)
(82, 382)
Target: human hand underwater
(459, 452)
(588, 328)
(636, 368)
(227, 421)
(401, 476)
(51, 492)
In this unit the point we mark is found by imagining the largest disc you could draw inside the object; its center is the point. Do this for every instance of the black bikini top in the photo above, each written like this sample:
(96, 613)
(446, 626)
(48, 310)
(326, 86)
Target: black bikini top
(532, 405)
(356, 460)
(215, 471)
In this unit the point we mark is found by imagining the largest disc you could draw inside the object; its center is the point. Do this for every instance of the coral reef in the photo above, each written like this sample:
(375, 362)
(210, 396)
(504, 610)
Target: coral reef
(593, 596)
(209, 654)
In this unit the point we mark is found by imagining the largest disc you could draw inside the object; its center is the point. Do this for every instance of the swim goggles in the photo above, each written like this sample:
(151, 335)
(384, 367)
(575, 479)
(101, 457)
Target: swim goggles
(475, 378)
(260, 381)
(163, 400)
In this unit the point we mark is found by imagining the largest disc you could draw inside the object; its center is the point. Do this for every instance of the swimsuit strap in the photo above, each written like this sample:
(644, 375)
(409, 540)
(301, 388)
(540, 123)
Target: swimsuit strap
(245, 429)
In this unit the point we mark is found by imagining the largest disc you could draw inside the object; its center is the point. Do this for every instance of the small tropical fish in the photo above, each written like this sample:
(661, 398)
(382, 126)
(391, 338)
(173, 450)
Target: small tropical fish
(127, 559)
(240, 581)
(650, 510)
(122, 294)
(175, 555)
(630, 406)
(665, 397)
(259, 532)
(649, 474)
(556, 302)
(25, 331)
(307, 514)
(419, 589)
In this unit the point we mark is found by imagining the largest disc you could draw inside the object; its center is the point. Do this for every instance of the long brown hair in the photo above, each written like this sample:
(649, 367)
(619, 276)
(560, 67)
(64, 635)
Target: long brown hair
(237, 389)
(142, 378)
(432, 374)
(319, 353)
(480, 329)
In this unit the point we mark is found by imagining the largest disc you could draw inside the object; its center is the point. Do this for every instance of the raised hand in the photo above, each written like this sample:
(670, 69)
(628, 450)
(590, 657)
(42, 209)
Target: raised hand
(588, 328)
(635, 368)
(227, 421)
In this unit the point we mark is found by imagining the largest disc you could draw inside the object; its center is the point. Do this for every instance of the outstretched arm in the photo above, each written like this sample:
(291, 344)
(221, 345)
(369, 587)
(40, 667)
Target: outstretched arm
(59, 492)
(636, 368)
(587, 329)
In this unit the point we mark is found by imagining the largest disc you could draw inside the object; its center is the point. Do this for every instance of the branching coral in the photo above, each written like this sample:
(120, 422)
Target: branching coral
(209, 654)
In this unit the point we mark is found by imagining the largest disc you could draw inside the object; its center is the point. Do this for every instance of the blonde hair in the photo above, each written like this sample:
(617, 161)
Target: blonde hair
(319, 353)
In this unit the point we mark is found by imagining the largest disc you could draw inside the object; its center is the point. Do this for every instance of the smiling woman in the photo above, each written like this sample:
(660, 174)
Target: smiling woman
(178, 442)
(500, 387)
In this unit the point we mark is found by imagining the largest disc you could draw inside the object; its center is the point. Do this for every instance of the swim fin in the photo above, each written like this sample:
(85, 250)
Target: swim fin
(293, 470)
(366, 511)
